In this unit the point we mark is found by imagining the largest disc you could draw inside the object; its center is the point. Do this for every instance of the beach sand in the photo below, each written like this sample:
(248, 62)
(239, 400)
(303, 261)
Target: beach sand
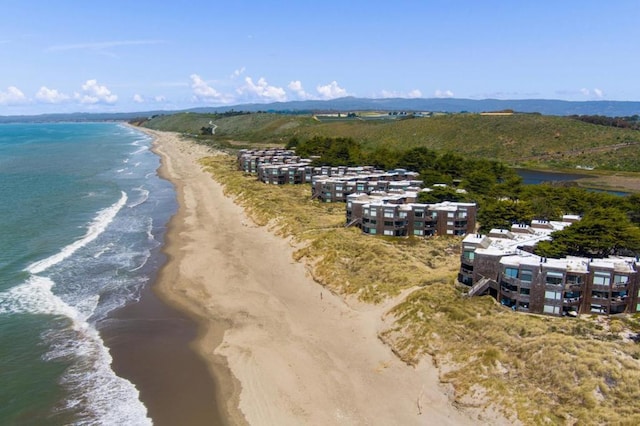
(282, 349)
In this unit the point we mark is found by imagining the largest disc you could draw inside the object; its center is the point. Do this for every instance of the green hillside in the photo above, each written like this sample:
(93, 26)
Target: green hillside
(521, 139)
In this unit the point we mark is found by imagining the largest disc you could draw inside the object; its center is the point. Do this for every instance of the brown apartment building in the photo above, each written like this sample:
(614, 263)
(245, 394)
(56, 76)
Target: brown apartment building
(397, 214)
(503, 266)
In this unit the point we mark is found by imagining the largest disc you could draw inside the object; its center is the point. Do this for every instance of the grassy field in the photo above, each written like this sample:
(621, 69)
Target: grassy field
(527, 140)
(546, 370)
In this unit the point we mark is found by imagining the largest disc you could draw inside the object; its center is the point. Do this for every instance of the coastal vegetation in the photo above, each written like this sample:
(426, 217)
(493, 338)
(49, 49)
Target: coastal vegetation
(543, 370)
(522, 140)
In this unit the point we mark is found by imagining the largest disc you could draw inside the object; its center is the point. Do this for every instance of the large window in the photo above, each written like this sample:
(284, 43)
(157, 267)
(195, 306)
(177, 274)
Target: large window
(469, 254)
(620, 279)
(548, 309)
(554, 278)
(388, 213)
(553, 295)
(511, 272)
(601, 278)
(526, 276)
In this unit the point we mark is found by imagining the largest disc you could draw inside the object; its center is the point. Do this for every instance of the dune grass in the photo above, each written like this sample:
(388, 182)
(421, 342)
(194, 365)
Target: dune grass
(546, 370)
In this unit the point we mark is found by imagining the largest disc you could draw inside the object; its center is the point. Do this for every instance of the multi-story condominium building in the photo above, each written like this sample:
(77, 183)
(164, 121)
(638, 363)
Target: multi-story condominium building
(249, 160)
(501, 264)
(397, 214)
(336, 189)
(276, 173)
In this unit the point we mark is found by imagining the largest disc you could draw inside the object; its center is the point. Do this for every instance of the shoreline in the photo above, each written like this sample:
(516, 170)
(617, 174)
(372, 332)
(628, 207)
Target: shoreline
(283, 349)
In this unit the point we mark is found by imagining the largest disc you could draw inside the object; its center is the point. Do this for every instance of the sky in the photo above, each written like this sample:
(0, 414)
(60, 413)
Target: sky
(124, 56)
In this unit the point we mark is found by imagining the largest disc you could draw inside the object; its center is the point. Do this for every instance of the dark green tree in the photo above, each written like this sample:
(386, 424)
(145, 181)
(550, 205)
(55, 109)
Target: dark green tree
(601, 232)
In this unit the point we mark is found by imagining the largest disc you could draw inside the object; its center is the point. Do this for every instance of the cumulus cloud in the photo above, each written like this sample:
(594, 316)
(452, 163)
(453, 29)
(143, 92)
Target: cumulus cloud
(443, 93)
(138, 99)
(331, 91)
(415, 93)
(263, 90)
(296, 87)
(12, 96)
(598, 92)
(202, 91)
(51, 96)
(159, 99)
(94, 93)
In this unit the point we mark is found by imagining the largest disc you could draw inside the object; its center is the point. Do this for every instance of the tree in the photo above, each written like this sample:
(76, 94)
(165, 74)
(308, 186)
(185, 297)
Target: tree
(502, 214)
(601, 232)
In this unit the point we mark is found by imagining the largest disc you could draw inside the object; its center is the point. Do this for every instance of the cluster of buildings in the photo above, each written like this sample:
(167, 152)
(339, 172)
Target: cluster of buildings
(378, 202)
(502, 265)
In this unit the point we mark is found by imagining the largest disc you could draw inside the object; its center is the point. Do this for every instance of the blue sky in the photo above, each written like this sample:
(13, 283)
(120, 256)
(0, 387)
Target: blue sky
(68, 56)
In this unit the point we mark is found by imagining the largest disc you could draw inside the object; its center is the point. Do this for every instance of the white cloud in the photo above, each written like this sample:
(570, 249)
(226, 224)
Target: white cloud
(443, 93)
(296, 87)
(12, 96)
(237, 73)
(159, 99)
(585, 91)
(138, 99)
(415, 93)
(203, 92)
(93, 93)
(51, 96)
(598, 93)
(263, 90)
(331, 91)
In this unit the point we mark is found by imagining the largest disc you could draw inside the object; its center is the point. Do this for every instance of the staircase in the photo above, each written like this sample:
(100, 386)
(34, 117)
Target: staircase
(479, 287)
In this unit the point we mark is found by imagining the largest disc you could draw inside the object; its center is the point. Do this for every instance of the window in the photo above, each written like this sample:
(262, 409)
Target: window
(601, 278)
(511, 272)
(526, 276)
(388, 232)
(388, 213)
(372, 231)
(388, 223)
(554, 278)
(450, 231)
(469, 254)
(462, 214)
(548, 309)
(402, 214)
(449, 223)
(418, 224)
(419, 213)
(553, 295)
(525, 291)
(620, 279)
(450, 214)
(418, 232)
(574, 279)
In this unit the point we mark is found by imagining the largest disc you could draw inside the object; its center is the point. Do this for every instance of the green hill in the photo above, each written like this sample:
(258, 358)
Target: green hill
(529, 140)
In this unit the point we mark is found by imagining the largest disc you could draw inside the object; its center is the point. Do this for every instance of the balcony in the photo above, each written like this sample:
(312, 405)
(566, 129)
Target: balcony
(571, 301)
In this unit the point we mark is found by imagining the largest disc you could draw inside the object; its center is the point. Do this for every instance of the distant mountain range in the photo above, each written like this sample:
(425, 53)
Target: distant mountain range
(346, 104)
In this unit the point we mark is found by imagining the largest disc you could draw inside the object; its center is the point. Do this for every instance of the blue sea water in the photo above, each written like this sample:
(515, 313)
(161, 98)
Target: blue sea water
(82, 215)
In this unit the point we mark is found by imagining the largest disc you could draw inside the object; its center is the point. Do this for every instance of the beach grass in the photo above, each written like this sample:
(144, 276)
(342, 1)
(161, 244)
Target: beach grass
(540, 369)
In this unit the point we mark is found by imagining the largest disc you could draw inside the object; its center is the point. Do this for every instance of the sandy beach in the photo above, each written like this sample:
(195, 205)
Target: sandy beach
(282, 349)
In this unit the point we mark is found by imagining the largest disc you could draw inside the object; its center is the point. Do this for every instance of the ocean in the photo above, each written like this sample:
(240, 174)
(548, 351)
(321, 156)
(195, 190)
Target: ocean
(82, 217)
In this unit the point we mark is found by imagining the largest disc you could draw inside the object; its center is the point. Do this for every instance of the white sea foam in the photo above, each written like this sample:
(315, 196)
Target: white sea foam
(139, 150)
(144, 195)
(98, 395)
(97, 227)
